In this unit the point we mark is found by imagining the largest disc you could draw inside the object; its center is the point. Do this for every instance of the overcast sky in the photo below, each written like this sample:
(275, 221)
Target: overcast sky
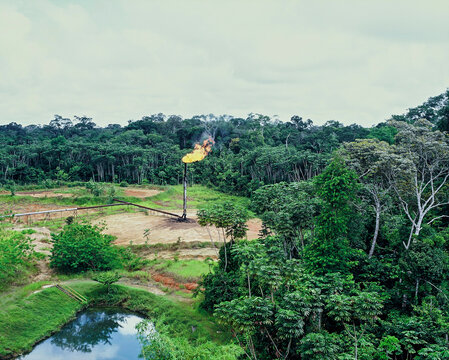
(353, 61)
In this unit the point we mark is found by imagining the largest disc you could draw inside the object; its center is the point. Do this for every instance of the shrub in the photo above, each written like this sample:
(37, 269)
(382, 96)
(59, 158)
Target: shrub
(158, 342)
(124, 184)
(15, 250)
(111, 193)
(95, 188)
(107, 279)
(131, 261)
(82, 247)
(48, 183)
(11, 187)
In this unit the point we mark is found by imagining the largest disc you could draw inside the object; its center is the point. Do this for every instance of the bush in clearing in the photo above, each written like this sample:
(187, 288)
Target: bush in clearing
(15, 252)
(107, 279)
(82, 247)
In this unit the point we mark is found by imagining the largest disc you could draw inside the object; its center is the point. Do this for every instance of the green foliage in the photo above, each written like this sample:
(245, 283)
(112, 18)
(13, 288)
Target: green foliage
(107, 278)
(131, 261)
(96, 189)
(246, 314)
(320, 346)
(309, 288)
(383, 132)
(389, 347)
(329, 250)
(248, 153)
(159, 343)
(227, 216)
(11, 187)
(435, 110)
(82, 247)
(288, 210)
(185, 268)
(198, 197)
(111, 193)
(16, 252)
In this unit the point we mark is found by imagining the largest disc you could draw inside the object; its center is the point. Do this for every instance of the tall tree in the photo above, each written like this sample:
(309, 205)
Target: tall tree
(367, 158)
(329, 250)
(419, 173)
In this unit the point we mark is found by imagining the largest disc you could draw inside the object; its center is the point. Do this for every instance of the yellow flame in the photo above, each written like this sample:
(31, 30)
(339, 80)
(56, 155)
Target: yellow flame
(200, 152)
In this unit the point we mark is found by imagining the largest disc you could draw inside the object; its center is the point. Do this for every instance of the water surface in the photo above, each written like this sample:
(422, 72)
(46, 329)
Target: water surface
(96, 334)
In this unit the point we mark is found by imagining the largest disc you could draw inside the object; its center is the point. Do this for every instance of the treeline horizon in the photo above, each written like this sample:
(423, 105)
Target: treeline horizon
(248, 153)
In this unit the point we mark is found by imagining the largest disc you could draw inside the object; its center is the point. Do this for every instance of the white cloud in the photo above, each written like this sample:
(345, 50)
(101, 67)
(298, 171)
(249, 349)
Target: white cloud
(352, 61)
(128, 325)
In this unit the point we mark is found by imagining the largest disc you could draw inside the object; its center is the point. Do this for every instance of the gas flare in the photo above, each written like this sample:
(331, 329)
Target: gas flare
(200, 152)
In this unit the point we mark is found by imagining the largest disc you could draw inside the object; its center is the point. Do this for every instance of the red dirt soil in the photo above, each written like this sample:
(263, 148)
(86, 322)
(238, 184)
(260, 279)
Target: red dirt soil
(171, 283)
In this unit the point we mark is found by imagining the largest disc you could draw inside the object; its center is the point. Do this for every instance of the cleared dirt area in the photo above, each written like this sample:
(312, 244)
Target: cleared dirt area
(44, 194)
(25, 208)
(141, 193)
(130, 227)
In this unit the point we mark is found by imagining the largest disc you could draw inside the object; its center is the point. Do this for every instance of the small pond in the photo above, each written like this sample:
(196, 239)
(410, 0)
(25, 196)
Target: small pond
(96, 334)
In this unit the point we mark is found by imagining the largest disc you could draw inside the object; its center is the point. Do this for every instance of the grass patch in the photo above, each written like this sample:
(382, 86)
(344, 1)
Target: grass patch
(13, 295)
(197, 196)
(35, 317)
(183, 294)
(184, 268)
(145, 249)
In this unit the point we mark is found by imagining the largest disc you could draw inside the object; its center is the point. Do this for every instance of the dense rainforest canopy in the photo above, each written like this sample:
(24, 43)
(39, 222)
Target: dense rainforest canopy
(248, 153)
(353, 258)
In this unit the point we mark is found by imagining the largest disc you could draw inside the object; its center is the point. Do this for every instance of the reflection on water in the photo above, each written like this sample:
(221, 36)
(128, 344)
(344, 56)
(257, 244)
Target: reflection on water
(95, 334)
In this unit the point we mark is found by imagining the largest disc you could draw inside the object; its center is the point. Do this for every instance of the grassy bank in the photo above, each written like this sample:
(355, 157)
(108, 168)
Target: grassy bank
(28, 316)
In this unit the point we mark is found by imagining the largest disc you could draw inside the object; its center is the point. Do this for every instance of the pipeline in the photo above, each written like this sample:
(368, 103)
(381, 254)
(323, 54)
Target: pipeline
(148, 208)
(121, 203)
(58, 210)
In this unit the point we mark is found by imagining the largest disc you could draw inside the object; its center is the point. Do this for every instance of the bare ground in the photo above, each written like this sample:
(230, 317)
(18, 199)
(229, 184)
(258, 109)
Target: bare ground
(141, 193)
(26, 208)
(130, 227)
(41, 194)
